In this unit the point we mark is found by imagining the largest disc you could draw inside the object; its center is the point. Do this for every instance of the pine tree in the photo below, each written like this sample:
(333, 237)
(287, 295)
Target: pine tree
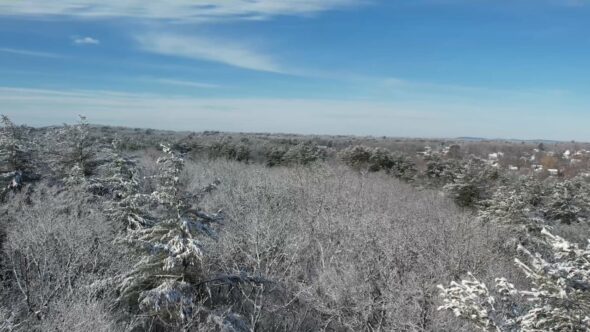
(515, 202)
(379, 159)
(357, 156)
(15, 156)
(162, 283)
(76, 152)
(129, 207)
(302, 154)
(568, 201)
(473, 183)
(441, 171)
(559, 299)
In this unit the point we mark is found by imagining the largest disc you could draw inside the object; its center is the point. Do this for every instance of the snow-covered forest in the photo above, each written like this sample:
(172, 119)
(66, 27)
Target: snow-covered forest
(118, 229)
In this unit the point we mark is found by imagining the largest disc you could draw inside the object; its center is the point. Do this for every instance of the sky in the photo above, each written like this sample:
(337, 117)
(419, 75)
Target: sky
(401, 68)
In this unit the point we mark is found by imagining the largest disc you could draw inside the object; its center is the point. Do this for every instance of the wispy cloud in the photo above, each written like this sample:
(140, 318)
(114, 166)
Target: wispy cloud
(191, 84)
(85, 41)
(31, 53)
(229, 52)
(466, 92)
(180, 10)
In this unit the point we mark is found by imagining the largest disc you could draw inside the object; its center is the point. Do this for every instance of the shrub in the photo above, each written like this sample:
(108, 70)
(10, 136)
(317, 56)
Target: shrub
(344, 250)
(56, 244)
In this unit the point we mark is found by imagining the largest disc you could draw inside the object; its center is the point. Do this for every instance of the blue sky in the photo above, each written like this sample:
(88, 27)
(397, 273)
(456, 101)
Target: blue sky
(420, 68)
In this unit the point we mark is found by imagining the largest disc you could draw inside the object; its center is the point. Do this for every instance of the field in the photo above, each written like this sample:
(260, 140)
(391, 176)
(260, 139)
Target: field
(119, 229)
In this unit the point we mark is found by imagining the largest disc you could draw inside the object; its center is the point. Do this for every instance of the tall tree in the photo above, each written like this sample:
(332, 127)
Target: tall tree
(162, 285)
(76, 151)
(15, 149)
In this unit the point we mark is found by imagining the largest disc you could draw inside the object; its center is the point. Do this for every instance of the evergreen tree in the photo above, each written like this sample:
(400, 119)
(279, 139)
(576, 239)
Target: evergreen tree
(515, 202)
(15, 149)
(441, 171)
(568, 201)
(357, 156)
(129, 207)
(163, 283)
(379, 159)
(76, 152)
(473, 183)
(559, 299)
(15, 156)
(302, 154)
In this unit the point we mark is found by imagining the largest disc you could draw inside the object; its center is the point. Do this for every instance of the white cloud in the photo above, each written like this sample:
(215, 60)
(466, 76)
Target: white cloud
(178, 10)
(85, 41)
(31, 53)
(229, 52)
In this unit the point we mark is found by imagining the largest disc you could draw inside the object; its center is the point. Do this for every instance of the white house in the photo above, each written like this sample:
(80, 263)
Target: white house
(553, 171)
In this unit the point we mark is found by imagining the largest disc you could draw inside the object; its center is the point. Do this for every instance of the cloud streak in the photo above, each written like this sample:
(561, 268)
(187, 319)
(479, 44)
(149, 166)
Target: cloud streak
(190, 84)
(177, 10)
(228, 52)
(31, 53)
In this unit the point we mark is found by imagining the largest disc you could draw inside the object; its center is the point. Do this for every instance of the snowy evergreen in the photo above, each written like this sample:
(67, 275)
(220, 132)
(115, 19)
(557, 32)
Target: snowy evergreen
(162, 283)
(15, 148)
(473, 183)
(74, 157)
(515, 202)
(568, 201)
(559, 299)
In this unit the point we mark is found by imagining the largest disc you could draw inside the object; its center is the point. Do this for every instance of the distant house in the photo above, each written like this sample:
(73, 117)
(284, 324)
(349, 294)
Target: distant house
(566, 154)
(512, 168)
(493, 156)
(553, 171)
(537, 168)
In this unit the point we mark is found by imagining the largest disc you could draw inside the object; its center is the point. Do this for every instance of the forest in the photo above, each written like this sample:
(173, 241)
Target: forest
(120, 229)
